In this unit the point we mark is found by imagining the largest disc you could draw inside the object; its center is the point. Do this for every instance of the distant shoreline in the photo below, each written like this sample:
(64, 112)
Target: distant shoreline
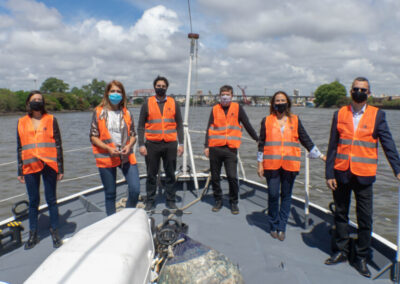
(21, 113)
(11, 113)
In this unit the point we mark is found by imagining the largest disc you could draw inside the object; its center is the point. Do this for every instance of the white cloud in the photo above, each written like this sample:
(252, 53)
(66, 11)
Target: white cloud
(33, 15)
(259, 43)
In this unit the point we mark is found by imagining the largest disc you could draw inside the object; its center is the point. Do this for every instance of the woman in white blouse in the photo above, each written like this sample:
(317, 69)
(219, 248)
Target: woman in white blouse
(112, 134)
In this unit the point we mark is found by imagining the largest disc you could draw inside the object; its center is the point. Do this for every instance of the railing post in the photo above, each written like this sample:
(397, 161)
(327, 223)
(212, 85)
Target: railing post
(397, 264)
(307, 190)
(241, 167)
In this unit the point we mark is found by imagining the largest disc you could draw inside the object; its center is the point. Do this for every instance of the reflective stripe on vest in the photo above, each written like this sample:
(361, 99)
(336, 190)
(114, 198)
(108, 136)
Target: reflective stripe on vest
(103, 157)
(161, 127)
(225, 130)
(281, 150)
(357, 150)
(38, 147)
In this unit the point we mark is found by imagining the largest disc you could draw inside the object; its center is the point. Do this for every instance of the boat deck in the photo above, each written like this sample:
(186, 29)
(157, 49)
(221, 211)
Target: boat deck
(243, 238)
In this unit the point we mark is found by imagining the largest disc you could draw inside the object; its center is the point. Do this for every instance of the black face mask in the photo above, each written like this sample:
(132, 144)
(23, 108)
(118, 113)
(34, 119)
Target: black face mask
(359, 97)
(36, 106)
(280, 107)
(160, 92)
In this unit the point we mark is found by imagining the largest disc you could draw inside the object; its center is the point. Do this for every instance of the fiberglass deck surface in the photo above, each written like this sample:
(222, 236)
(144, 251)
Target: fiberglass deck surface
(243, 238)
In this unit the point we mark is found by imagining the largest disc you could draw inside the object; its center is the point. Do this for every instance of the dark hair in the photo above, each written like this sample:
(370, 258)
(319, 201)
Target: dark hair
(226, 88)
(361, 79)
(28, 109)
(160, 78)
(105, 102)
(272, 102)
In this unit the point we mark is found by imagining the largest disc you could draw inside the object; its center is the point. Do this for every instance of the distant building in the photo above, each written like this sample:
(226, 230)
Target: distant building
(144, 93)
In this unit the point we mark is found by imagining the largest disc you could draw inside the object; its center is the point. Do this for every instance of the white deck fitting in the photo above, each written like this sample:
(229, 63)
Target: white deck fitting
(117, 249)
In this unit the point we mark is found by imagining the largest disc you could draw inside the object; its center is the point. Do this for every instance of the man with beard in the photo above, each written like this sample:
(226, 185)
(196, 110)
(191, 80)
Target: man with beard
(160, 122)
(351, 165)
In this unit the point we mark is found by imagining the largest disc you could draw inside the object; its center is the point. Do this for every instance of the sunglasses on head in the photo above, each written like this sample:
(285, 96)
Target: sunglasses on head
(361, 90)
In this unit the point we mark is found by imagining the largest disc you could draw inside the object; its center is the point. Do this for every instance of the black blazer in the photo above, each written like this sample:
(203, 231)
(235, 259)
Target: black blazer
(381, 131)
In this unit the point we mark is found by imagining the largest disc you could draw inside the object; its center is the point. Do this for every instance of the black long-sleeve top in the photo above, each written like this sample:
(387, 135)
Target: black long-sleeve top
(242, 119)
(304, 139)
(144, 113)
(57, 138)
(381, 131)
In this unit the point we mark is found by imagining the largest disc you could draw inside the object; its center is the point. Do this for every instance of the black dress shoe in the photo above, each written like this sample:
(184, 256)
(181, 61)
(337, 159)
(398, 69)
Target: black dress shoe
(32, 240)
(57, 242)
(217, 206)
(337, 257)
(234, 209)
(281, 236)
(171, 205)
(149, 205)
(361, 266)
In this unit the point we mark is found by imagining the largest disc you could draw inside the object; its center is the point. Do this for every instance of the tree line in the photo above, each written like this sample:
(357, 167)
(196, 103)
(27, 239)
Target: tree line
(57, 96)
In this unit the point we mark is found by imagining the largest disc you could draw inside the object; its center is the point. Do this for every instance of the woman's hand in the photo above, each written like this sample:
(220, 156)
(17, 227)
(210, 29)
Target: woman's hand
(113, 151)
(260, 170)
(21, 179)
(126, 150)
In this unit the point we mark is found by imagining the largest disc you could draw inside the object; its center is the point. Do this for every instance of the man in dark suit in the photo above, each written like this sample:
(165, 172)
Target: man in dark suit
(351, 166)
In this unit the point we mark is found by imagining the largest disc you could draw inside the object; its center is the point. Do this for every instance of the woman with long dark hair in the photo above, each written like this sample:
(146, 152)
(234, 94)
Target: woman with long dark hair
(112, 134)
(39, 150)
(278, 158)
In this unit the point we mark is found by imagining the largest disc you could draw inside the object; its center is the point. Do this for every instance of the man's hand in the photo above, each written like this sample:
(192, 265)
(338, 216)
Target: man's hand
(21, 179)
(180, 150)
(207, 152)
(143, 150)
(398, 176)
(60, 177)
(331, 183)
(260, 169)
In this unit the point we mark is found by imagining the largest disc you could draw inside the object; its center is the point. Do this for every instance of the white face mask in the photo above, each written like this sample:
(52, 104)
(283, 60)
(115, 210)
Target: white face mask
(226, 100)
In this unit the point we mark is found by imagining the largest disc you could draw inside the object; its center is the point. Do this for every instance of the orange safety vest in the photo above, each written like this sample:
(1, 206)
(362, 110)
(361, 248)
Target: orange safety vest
(357, 149)
(282, 149)
(161, 127)
(225, 130)
(103, 158)
(38, 146)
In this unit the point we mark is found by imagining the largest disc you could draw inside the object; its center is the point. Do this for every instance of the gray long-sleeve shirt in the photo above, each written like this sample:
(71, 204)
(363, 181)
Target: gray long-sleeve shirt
(242, 116)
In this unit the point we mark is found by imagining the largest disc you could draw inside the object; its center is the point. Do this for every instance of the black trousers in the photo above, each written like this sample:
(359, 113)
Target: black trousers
(167, 152)
(342, 196)
(228, 157)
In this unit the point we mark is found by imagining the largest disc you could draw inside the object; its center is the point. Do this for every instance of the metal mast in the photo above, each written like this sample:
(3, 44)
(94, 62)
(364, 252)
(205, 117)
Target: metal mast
(187, 142)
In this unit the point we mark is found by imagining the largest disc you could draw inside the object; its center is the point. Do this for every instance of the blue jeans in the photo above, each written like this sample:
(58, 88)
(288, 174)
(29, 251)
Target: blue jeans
(280, 182)
(109, 178)
(32, 182)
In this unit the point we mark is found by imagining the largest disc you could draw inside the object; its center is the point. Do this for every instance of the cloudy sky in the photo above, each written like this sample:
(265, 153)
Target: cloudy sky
(265, 45)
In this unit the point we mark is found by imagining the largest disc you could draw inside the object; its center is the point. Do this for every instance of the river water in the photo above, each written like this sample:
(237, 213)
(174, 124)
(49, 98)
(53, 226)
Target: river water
(79, 161)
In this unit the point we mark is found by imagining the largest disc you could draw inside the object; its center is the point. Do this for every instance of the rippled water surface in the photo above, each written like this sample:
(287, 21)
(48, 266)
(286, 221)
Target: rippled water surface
(79, 161)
